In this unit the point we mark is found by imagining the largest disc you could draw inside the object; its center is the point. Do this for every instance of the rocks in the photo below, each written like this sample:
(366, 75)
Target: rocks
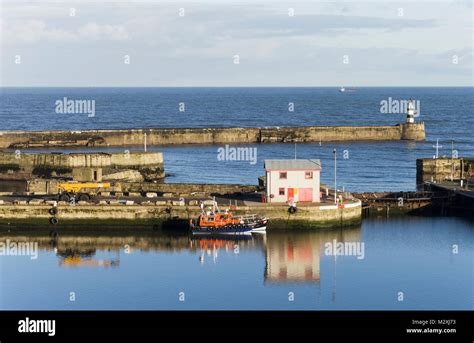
(167, 195)
(129, 202)
(193, 202)
(129, 175)
(151, 195)
(36, 201)
(160, 202)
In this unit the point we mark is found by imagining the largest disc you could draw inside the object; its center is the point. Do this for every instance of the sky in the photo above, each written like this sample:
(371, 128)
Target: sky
(198, 43)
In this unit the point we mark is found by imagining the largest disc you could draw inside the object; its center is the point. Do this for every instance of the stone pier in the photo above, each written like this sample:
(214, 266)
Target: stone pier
(236, 135)
(128, 166)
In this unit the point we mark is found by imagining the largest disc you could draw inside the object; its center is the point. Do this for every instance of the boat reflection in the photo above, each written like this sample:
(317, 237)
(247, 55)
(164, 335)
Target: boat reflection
(210, 246)
(289, 256)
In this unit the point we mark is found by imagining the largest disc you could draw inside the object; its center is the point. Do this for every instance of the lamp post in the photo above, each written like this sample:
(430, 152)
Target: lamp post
(144, 141)
(437, 146)
(452, 160)
(335, 175)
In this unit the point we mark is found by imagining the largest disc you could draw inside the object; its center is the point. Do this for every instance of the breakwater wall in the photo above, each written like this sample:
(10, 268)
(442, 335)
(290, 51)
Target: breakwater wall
(442, 169)
(164, 136)
(133, 166)
(310, 216)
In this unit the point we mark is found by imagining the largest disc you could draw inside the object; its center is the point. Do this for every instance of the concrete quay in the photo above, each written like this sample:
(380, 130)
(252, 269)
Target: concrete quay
(177, 213)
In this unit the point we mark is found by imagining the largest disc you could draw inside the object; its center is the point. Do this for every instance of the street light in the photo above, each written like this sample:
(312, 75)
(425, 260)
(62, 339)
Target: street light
(335, 175)
(144, 141)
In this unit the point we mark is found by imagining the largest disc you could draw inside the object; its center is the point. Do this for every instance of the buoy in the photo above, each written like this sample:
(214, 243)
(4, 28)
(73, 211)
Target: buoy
(292, 209)
(53, 211)
(53, 220)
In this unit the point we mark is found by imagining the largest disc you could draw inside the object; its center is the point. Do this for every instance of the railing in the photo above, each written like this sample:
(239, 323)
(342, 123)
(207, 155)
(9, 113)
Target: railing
(247, 217)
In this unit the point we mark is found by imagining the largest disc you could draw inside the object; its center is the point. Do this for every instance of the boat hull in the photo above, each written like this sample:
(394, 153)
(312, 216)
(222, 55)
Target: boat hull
(230, 229)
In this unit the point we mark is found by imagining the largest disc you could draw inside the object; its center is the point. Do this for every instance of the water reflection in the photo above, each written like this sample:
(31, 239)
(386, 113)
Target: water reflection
(295, 257)
(84, 257)
(289, 256)
(211, 247)
(137, 268)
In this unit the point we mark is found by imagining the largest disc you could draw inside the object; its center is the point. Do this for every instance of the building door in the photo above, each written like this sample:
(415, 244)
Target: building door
(306, 194)
(291, 194)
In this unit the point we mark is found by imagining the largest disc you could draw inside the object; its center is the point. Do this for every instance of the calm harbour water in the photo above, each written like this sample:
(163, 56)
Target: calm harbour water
(410, 255)
(413, 255)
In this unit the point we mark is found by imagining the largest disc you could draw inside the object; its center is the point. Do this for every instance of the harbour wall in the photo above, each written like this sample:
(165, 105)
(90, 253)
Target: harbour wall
(165, 136)
(442, 169)
(139, 166)
(306, 217)
(44, 187)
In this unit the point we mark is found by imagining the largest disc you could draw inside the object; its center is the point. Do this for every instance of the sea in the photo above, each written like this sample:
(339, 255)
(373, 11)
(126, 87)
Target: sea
(386, 263)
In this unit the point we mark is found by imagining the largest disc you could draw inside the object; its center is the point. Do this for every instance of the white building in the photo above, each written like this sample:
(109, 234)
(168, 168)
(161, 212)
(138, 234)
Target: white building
(292, 180)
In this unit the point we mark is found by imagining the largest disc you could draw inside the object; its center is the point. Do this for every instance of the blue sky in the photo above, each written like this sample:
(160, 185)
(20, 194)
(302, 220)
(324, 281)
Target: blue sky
(331, 43)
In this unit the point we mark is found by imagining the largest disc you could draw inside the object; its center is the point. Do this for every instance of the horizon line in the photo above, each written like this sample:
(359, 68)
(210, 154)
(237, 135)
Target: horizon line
(347, 87)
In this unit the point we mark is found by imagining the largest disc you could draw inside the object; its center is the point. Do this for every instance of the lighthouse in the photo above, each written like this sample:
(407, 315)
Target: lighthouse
(411, 130)
(410, 112)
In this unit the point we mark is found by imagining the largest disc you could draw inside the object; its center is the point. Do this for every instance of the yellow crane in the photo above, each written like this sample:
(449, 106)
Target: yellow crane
(79, 191)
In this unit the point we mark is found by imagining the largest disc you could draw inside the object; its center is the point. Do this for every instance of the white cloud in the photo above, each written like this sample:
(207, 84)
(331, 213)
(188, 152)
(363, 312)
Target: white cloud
(197, 49)
(32, 31)
(103, 32)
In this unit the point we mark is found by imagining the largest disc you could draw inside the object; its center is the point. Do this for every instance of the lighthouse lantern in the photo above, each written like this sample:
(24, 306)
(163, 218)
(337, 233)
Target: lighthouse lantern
(410, 112)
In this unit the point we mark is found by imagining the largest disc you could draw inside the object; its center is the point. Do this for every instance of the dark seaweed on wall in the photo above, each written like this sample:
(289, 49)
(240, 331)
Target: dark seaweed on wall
(46, 172)
(6, 167)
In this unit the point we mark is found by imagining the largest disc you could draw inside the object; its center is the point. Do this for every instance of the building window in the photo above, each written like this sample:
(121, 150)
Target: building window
(308, 175)
(283, 175)
(281, 191)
